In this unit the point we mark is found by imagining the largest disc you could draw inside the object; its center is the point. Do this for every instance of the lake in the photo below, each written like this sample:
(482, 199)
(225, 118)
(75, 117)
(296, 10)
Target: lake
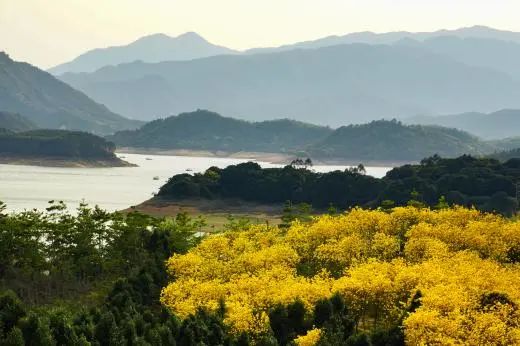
(27, 187)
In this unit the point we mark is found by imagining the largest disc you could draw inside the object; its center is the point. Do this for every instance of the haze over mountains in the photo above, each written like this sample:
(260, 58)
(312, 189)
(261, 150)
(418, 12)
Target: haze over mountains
(393, 37)
(496, 125)
(152, 48)
(331, 81)
(334, 85)
(49, 103)
(334, 81)
(161, 47)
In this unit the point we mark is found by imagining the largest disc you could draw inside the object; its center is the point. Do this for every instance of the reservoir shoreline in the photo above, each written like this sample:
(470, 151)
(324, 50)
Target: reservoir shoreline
(64, 162)
(273, 158)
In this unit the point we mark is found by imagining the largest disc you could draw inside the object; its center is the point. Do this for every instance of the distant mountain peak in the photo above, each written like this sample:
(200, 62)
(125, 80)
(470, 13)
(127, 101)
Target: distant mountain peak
(155, 36)
(191, 35)
(481, 27)
(152, 48)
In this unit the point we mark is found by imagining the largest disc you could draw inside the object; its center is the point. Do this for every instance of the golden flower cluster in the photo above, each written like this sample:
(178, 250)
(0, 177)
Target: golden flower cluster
(377, 261)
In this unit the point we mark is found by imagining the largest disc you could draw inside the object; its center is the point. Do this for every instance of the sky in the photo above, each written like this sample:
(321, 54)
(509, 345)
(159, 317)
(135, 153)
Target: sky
(49, 32)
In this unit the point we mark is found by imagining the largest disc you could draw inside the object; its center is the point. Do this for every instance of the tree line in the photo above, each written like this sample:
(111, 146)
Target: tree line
(484, 183)
(55, 144)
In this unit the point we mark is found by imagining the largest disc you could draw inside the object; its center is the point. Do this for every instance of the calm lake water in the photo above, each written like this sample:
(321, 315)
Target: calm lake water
(27, 187)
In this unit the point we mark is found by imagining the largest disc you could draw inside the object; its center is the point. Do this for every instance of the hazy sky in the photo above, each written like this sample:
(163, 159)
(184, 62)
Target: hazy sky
(49, 32)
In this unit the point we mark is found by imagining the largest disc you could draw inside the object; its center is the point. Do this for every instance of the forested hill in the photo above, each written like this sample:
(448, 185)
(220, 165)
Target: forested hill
(391, 140)
(15, 122)
(377, 141)
(50, 103)
(41, 145)
(204, 130)
(484, 183)
(496, 125)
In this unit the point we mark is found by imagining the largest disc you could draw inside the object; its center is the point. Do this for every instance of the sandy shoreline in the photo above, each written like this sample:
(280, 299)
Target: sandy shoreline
(275, 158)
(66, 163)
(266, 157)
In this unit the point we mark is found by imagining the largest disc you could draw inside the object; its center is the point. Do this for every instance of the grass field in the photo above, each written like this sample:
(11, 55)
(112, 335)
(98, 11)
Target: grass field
(216, 213)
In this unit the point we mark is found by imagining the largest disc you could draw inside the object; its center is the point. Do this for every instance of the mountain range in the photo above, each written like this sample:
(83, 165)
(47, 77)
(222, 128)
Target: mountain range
(161, 47)
(498, 55)
(47, 102)
(477, 31)
(335, 85)
(336, 80)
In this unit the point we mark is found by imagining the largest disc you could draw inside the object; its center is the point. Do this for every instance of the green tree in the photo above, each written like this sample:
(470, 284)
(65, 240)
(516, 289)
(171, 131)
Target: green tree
(14, 338)
(288, 215)
(11, 311)
(36, 332)
(442, 204)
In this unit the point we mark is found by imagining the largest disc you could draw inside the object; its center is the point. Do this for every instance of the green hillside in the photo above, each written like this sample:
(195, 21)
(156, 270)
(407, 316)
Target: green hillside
(15, 122)
(55, 145)
(204, 130)
(50, 103)
(379, 140)
(391, 140)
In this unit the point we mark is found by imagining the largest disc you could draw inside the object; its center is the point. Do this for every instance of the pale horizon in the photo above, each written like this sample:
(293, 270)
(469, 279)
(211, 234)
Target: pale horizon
(46, 34)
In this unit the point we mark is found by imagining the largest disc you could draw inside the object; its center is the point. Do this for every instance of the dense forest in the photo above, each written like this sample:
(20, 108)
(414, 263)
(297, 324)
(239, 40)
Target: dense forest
(204, 130)
(92, 278)
(391, 140)
(484, 183)
(377, 141)
(55, 144)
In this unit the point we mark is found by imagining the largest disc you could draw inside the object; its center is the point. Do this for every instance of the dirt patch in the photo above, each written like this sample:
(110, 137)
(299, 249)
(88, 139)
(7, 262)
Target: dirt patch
(217, 213)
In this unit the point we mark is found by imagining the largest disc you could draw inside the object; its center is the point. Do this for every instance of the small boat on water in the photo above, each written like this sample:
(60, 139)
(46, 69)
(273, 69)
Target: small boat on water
(156, 178)
(149, 159)
(189, 170)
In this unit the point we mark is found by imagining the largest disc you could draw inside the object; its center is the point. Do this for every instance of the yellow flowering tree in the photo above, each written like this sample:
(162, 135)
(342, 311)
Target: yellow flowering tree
(462, 261)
